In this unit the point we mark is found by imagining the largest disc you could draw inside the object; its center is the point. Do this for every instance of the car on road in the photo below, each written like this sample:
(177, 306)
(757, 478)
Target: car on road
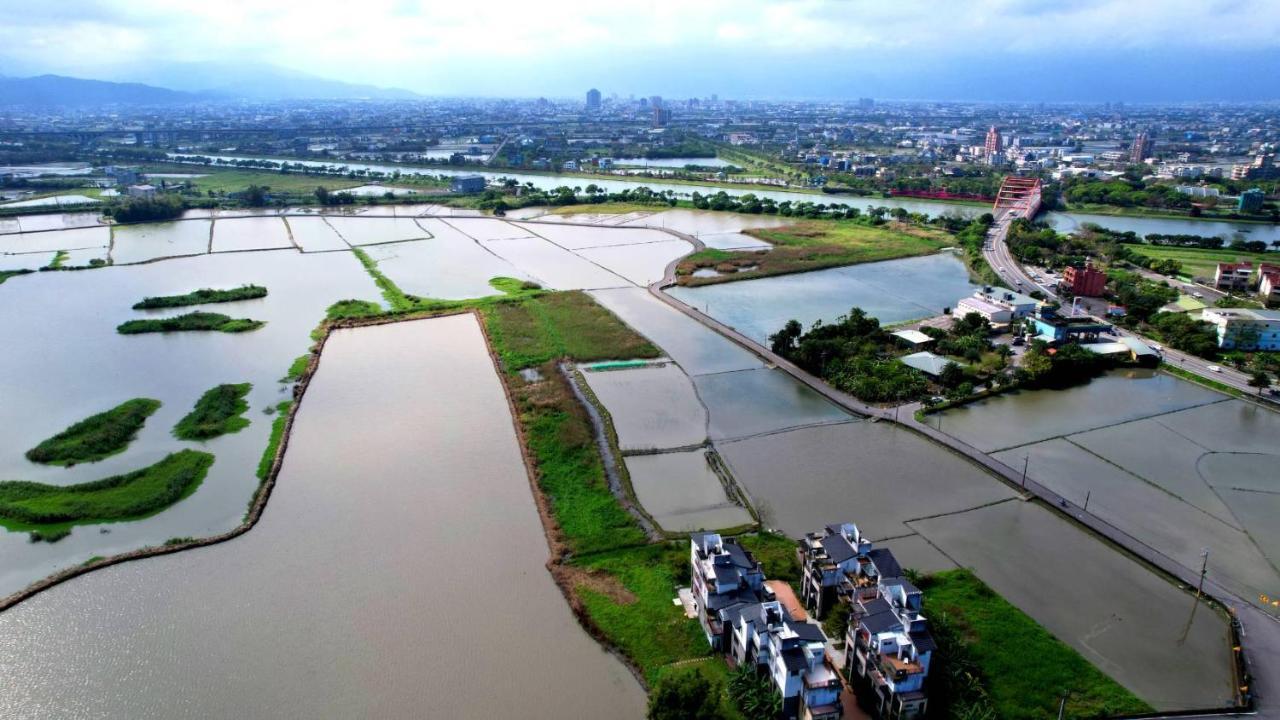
(1214, 368)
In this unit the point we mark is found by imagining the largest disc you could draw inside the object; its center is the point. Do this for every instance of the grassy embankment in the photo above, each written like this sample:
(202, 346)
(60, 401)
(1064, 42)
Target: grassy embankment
(1198, 262)
(607, 208)
(230, 180)
(97, 436)
(1021, 671)
(1227, 215)
(813, 245)
(202, 296)
(218, 412)
(195, 321)
(49, 511)
(1212, 384)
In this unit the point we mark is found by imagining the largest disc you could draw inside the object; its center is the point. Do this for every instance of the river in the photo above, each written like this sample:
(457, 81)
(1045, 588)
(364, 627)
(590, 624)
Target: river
(1063, 221)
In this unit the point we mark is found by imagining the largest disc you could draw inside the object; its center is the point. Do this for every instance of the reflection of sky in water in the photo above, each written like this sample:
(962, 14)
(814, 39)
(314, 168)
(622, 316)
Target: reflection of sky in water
(893, 291)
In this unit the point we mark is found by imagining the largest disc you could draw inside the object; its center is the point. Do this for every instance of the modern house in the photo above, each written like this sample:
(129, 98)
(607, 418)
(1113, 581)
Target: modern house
(838, 564)
(723, 575)
(1245, 329)
(1233, 276)
(888, 650)
(743, 618)
(888, 645)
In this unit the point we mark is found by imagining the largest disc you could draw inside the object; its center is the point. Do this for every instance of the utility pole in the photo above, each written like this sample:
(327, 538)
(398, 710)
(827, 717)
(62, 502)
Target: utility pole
(1204, 569)
(1062, 706)
(1026, 460)
(1086, 499)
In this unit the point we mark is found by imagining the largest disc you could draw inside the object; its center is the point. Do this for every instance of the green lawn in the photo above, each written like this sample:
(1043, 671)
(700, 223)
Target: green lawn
(97, 436)
(608, 208)
(195, 321)
(223, 180)
(218, 412)
(46, 508)
(1024, 669)
(1198, 262)
(812, 245)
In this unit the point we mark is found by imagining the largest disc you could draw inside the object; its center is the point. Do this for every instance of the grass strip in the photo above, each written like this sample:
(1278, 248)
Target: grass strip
(202, 297)
(218, 412)
(37, 506)
(277, 434)
(1213, 384)
(97, 436)
(195, 321)
(1023, 670)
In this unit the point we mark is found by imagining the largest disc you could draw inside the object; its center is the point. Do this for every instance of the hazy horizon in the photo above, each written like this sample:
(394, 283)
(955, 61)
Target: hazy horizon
(986, 50)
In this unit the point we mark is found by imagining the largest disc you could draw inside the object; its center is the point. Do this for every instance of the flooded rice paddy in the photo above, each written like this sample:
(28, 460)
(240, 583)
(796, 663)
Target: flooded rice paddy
(140, 243)
(682, 492)
(892, 291)
(880, 475)
(1178, 467)
(652, 407)
(355, 595)
(73, 364)
(802, 461)
(251, 233)
(1129, 622)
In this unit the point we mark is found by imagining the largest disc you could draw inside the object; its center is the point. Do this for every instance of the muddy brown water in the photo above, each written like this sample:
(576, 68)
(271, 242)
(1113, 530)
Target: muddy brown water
(398, 571)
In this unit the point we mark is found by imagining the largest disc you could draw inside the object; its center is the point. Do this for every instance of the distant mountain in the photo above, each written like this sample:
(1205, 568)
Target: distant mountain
(57, 90)
(260, 82)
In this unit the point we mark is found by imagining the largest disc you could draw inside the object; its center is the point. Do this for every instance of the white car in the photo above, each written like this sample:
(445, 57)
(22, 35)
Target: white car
(1214, 368)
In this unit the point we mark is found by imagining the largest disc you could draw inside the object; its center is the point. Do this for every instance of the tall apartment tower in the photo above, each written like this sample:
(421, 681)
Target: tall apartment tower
(1142, 147)
(994, 143)
(593, 99)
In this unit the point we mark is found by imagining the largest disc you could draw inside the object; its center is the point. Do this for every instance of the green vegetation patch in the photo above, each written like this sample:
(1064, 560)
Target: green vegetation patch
(627, 594)
(6, 274)
(991, 654)
(218, 412)
(352, 309)
(36, 506)
(201, 321)
(555, 325)
(1199, 262)
(813, 245)
(277, 435)
(97, 436)
(202, 297)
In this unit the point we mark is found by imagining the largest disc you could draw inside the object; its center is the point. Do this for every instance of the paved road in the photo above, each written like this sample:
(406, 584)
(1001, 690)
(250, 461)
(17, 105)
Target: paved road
(996, 252)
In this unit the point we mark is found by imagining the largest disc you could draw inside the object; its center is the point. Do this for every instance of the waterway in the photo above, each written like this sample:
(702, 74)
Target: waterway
(1064, 221)
(377, 584)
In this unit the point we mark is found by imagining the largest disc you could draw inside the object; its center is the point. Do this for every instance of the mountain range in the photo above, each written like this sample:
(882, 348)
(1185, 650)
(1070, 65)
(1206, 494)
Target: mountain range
(185, 83)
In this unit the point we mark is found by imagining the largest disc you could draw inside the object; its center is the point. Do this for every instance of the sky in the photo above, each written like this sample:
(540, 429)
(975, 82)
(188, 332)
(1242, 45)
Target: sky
(1021, 50)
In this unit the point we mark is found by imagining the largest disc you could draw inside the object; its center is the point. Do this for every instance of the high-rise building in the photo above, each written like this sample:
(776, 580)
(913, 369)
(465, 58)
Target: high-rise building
(1142, 147)
(661, 116)
(655, 101)
(994, 143)
(593, 99)
(866, 103)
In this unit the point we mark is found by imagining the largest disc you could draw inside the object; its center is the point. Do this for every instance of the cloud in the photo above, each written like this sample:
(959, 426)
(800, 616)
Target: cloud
(517, 47)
